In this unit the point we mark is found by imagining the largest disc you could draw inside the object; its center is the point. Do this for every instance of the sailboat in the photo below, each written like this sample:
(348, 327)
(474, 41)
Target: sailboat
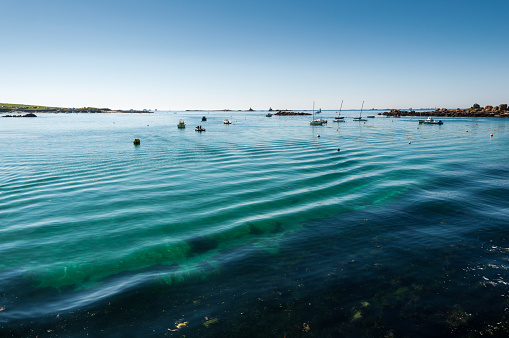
(339, 118)
(360, 116)
(317, 122)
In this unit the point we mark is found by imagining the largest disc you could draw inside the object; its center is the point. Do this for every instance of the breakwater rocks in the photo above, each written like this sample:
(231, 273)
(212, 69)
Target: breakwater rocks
(474, 111)
(289, 113)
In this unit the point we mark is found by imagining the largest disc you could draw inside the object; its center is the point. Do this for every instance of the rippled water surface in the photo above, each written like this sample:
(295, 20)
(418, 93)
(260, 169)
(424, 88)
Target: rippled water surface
(266, 227)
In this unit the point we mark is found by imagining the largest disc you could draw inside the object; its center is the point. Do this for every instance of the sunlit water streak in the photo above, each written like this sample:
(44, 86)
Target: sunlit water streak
(344, 229)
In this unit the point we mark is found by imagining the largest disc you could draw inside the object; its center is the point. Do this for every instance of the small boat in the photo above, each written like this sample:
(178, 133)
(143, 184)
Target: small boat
(430, 120)
(339, 118)
(360, 115)
(370, 116)
(269, 115)
(204, 118)
(227, 122)
(199, 128)
(322, 120)
(317, 122)
(181, 124)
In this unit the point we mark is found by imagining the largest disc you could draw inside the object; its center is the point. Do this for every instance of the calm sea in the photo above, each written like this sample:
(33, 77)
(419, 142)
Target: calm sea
(265, 227)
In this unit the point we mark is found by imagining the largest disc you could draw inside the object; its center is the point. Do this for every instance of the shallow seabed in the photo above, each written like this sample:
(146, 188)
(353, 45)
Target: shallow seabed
(265, 227)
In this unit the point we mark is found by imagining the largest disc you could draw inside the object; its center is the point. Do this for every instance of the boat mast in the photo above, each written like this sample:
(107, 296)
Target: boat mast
(340, 107)
(361, 108)
(313, 110)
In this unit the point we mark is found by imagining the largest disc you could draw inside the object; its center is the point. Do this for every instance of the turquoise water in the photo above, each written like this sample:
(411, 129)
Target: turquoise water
(257, 228)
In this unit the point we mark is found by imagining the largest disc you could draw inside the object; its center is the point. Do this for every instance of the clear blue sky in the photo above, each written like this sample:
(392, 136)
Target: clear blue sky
(239, 54)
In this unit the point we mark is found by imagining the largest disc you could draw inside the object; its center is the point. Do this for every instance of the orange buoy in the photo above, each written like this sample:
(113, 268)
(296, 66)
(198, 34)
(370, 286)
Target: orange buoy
(491, 135)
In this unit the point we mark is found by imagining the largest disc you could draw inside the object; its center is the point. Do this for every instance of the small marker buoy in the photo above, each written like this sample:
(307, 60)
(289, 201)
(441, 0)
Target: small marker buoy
(467, 131)
(318, 135)
(136, 141)
(409, 142)
(491, 135)
(338, 149)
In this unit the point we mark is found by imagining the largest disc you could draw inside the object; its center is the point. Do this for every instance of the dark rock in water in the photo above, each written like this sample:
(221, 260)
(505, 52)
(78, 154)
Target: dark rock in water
(26, 115)
(289, 113)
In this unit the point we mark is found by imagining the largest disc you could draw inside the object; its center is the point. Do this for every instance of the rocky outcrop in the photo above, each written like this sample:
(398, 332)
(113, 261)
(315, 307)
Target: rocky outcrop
(289, 113)
(26, 115)
(475, 111)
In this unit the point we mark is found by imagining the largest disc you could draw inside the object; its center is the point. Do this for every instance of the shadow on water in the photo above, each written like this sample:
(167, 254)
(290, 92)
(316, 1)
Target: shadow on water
(200, 245)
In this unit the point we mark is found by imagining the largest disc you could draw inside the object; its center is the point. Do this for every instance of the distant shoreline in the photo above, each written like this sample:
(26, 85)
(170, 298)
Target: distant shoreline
(24, 108)
(500, 111)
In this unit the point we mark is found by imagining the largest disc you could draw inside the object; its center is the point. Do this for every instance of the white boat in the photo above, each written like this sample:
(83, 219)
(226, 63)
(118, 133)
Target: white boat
(227, 122)
(430, 120)
(317, 122)
(181, 124)
(199, 128)
(360, 115)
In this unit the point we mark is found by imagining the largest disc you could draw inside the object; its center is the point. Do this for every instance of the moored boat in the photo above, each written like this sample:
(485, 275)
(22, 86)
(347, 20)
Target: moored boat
(339, 118)
(359, 118)
(430, 120)
(181, 124)
(317, 122)
(204, 118)
(227, 121)
(199, 128)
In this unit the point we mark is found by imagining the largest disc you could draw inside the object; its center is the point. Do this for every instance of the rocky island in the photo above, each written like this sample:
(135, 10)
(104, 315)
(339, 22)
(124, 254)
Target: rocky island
(289, 113)
(26, 115)
(474, 111)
